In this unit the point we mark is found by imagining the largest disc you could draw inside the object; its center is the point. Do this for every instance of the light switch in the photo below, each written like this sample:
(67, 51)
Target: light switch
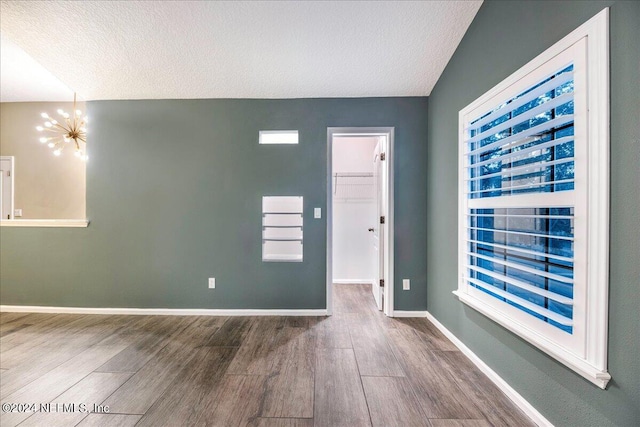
(406, 284)
(317, 213)
(17, 212)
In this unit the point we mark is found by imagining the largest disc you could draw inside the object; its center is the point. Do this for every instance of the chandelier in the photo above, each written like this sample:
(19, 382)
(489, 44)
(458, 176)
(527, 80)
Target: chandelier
(70, 131)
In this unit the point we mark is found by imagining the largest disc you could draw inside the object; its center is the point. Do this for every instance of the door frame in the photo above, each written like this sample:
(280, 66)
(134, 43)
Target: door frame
(11, 160)
(389, 220)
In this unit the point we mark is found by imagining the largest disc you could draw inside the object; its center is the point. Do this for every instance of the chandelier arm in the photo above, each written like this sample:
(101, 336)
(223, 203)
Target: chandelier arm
(62, 127)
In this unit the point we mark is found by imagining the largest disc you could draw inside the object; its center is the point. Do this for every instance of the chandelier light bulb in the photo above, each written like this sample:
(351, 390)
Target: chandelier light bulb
(55, 122)
(44, 115)
(39, 128)
(43, 140)
(57, 152)
(48, 124)
(51, 145)
(65, 115)
(60, 111)
(77, 153)
(85, 119)
(78, 113)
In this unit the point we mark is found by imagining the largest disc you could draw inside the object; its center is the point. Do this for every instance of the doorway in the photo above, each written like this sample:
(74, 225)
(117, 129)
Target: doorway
(360, 211)
(6, 187)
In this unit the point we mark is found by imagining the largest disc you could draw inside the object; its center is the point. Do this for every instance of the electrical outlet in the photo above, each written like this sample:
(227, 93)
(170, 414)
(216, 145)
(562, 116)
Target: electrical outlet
(406, 284)
(317, 213)
(212, 282)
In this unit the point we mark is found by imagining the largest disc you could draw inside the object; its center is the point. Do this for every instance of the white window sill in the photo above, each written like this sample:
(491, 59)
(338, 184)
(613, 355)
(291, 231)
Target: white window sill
(57, 223)
(592, 373)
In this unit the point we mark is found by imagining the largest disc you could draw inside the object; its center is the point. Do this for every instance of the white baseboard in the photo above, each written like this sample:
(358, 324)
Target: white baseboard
(511, 393)
(352, 281)
(159, 311)
(403, 313)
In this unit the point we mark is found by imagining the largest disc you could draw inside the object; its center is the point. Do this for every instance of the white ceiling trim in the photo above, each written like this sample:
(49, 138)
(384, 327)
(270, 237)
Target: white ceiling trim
(242, 49)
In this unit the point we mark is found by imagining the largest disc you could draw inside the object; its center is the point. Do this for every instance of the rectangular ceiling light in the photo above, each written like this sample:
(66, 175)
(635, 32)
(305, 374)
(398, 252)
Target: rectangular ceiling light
(278, 137)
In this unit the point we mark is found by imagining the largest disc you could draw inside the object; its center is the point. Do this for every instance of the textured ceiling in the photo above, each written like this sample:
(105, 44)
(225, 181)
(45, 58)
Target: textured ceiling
(197, 49)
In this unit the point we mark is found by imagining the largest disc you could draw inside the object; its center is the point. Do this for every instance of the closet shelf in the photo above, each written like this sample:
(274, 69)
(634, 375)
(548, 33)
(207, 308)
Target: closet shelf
(353, 185)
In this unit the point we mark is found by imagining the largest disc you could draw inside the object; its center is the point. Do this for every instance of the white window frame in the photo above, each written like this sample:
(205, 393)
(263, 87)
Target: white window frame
(586, 351)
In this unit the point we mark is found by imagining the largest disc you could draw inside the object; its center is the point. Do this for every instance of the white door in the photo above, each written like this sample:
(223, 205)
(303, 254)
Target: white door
(379, 176)
(6, 187)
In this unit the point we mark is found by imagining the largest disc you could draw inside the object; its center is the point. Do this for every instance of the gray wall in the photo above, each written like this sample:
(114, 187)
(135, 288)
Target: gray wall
(503, 37)
(174, 196)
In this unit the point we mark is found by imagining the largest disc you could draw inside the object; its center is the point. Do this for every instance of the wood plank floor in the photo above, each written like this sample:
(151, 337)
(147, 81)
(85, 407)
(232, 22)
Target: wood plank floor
(355, 368)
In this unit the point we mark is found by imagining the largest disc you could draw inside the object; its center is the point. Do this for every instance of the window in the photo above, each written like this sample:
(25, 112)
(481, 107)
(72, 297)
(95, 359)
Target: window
(278, 137)
(533, 213)
(281, 228)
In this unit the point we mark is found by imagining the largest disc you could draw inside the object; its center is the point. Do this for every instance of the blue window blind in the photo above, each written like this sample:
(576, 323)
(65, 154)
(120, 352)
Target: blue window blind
(523, 254)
